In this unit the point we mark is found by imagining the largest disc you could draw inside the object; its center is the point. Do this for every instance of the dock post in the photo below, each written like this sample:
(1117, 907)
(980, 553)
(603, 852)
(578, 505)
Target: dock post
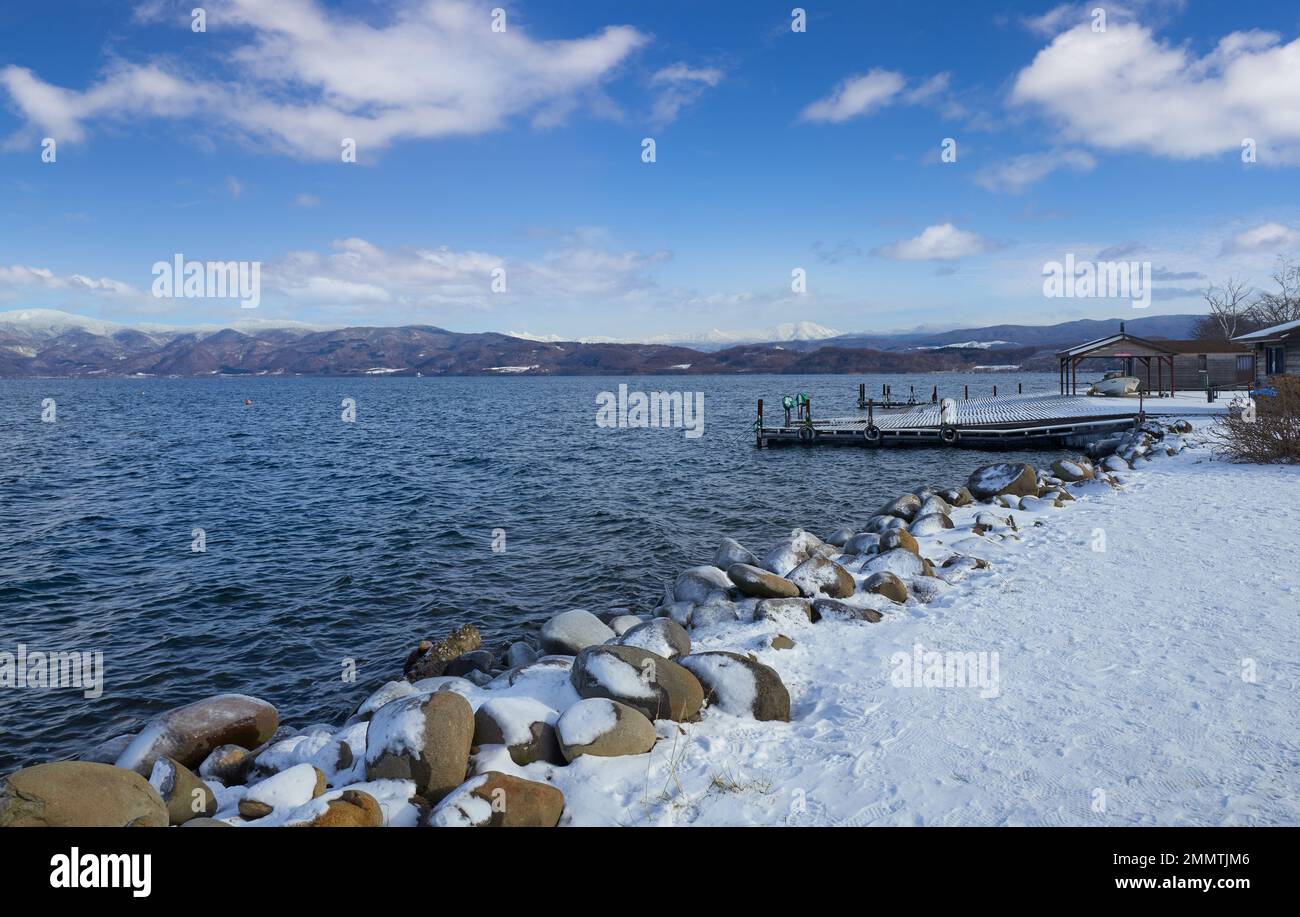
(934, 395)
(862, 394)
(1020, 388)
(965, 393)
(758, 427)
(871, 422)
(995, 391)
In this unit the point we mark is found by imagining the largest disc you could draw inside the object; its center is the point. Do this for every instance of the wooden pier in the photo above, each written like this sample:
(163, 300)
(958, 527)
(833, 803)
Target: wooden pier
(1009, 421)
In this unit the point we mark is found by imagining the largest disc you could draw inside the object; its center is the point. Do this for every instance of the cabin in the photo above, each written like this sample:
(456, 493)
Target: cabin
(1276, 350)
(1219, 364)
(1186, 366)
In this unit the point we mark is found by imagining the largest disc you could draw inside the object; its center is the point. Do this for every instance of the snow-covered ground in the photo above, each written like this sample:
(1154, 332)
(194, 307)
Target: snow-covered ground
(1136, 658)
(1154, 682)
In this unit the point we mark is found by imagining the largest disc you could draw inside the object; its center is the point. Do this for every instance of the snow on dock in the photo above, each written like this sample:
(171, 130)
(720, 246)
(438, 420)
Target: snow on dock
(986, 421)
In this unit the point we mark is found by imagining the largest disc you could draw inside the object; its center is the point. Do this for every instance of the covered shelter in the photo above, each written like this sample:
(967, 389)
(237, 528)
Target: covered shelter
(1132, 350)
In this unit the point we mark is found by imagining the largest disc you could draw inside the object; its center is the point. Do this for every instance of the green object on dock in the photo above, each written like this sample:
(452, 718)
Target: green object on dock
(787, 402)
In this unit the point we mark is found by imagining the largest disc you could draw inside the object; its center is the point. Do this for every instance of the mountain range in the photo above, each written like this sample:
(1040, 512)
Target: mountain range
(46, 343)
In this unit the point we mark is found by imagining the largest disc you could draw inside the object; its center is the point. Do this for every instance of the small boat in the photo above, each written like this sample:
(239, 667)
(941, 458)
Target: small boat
(1115, 384)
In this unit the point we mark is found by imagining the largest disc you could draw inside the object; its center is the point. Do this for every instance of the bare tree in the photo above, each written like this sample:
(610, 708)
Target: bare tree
(1231, 311)
(1283, 305)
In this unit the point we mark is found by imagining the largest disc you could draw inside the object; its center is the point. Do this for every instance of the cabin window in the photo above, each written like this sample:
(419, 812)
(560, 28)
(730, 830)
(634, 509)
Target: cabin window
(1274, 361)
(1245, 364)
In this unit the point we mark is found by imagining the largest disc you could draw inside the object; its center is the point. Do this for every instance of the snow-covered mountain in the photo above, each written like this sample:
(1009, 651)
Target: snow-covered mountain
(47, 324)
(713, 339)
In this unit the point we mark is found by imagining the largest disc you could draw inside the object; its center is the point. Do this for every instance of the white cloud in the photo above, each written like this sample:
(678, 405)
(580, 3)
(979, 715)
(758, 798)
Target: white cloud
(942, 242)
(306, 200)
(1123, 89)
(679, 87)
(857, 96)
(1269, 237)
(308, 77)
(1019, 172)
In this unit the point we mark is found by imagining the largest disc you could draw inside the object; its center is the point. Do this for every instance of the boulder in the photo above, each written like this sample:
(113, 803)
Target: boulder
(818, 576)
(185, 795)
(880, 524)
(424, 739)
(520, 654)
(887, 584)
(475, 661)
(790, 552)
(1071, 470)
(700, 584)
(645, 681)
(570, 632)
(497, 800)
(899, 539)
(740, 685)
(904, 507)
(1115, 463)
(662, 636)
(863, 543)
(759, 583)
(784, 611)
(931, 524)
(603, 728)
(933, 504)
(189, 733)
(79, 794)
(290, 788)
(1015, 478)
(623, 623)
(899, 562)
(526, 727)
(926, 589)
(717, 610)
(840, 536)
(1181, 426)
(227, 763)
(430, 657)
(843, 611)
(957, 496)
(350, 809)
(731, 552)
(781, 642)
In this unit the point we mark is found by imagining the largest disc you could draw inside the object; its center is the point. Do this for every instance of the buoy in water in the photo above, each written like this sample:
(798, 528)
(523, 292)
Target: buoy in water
(248, 401)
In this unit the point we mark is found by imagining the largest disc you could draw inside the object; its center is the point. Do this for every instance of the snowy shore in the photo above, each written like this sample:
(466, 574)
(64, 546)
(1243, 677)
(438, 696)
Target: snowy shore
(1116, 650)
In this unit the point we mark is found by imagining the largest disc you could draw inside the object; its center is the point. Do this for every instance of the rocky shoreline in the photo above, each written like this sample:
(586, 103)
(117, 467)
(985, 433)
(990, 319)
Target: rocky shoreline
(473, 736)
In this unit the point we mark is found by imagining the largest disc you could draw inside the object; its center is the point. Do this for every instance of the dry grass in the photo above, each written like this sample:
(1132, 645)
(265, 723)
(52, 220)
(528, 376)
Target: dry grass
(1272, 435)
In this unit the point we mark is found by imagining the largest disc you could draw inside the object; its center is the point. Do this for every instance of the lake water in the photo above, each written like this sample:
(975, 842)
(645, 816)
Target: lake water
(328, 540)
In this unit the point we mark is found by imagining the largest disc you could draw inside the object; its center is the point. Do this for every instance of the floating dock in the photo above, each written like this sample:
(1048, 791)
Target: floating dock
(1009, 421)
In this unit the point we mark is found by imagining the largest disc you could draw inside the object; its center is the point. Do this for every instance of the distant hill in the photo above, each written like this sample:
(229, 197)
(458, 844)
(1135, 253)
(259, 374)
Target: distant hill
(45, 343)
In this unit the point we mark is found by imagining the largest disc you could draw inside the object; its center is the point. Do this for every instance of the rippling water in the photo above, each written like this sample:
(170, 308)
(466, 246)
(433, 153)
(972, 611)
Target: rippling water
(329, 540)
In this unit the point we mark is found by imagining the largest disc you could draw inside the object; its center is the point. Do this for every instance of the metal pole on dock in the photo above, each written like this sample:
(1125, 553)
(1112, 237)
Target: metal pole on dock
(870, 414)
(995, 391)
(965, 393)
(934, 395)
(1020, 388)
(758, 433)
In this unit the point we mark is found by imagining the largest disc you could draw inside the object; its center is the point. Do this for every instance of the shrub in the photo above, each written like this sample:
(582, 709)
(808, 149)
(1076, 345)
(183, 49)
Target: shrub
(1272, 435)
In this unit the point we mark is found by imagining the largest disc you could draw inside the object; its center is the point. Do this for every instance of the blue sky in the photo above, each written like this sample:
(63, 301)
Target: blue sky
(522, 150)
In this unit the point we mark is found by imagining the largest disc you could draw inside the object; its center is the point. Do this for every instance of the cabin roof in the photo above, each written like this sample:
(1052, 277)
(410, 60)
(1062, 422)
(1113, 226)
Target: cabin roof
(1275, 332)
(1206, 347)
(1132, 343)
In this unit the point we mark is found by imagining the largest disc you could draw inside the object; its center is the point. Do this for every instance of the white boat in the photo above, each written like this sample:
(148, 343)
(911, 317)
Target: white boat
(1115, 384)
